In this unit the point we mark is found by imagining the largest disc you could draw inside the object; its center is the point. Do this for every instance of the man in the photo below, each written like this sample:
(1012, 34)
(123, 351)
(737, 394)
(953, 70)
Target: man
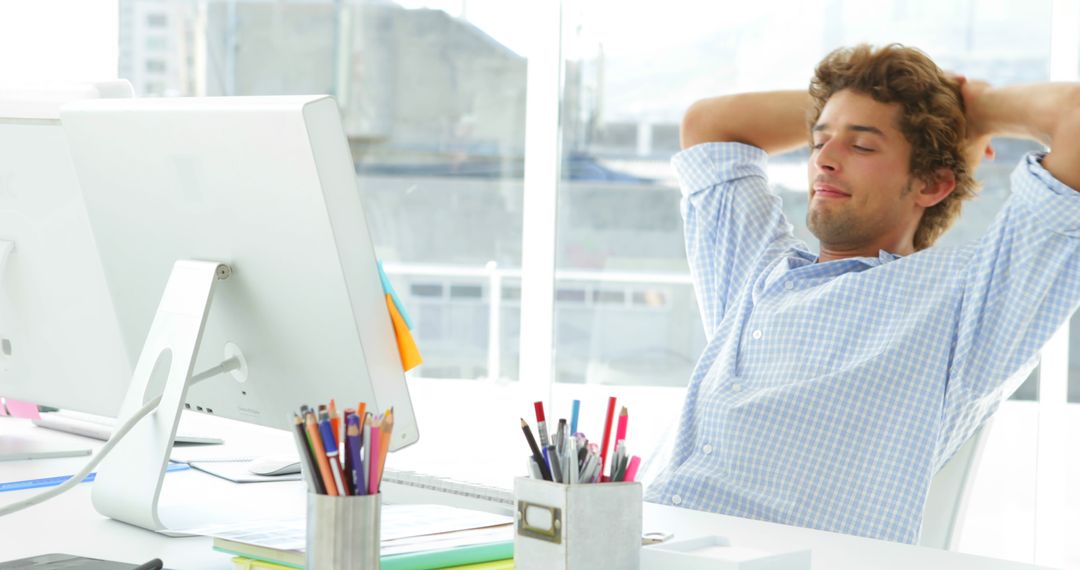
(834, 386)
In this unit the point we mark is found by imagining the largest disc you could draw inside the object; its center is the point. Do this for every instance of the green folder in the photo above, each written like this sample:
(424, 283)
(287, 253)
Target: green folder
(426, 560)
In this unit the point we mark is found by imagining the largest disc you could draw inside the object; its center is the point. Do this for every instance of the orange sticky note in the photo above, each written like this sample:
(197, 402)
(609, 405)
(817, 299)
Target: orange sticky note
(410, 354)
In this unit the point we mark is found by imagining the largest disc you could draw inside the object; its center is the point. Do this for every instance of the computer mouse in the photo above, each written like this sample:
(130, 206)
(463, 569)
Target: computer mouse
(271, 466)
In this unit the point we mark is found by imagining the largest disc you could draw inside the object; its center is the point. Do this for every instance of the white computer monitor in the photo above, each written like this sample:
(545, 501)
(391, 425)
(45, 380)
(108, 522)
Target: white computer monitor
(60, 342)
(262, 189)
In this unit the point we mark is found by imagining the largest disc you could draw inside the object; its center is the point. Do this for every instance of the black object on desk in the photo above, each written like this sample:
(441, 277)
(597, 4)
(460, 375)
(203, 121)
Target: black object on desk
(67, 561)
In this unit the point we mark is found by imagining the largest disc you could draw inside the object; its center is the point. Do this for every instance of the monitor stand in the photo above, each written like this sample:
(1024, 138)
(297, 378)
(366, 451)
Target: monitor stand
(129, 480)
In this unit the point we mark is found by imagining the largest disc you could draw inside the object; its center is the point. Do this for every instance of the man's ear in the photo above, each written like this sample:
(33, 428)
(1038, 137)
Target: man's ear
(936, 188)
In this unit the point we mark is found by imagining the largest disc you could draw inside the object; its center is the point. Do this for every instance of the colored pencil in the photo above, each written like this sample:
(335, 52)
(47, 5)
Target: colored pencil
(320, 454)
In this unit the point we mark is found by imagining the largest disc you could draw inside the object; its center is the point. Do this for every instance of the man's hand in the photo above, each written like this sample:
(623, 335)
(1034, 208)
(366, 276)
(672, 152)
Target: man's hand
(979, 132)
(1045, 112)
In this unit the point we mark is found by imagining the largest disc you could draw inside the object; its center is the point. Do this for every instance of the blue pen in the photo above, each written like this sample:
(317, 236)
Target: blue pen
(356, 458)
(573, 416)
(330, 443)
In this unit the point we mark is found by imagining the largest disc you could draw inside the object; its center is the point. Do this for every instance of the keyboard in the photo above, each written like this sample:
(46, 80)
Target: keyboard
(498, 495)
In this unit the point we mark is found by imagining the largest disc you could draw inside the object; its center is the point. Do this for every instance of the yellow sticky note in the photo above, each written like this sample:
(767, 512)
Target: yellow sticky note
(410, 354)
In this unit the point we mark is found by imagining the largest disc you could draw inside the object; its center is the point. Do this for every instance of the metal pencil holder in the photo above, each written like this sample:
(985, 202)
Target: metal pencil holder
(343, 532)
(576, 527)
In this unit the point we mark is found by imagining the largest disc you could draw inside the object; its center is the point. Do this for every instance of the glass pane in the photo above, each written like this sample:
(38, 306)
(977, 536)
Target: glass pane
(433, 104)
(628, 81)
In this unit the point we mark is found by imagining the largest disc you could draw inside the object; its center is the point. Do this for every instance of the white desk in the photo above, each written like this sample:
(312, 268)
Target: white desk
(69, 523)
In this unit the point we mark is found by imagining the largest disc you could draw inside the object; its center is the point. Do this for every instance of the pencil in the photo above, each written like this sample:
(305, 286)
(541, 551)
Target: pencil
(537, 456)
(335, 422)
(607, 434)
(307, 462)
(620, 433)
(386, 431)
(320, 454)
(373, 468)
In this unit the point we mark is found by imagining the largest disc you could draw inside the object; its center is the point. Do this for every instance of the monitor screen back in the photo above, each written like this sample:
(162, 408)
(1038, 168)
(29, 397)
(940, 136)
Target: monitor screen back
(267, 186)
(60, 342)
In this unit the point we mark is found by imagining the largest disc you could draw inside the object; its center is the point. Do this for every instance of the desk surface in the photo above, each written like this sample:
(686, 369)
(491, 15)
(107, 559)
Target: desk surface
(70, 524)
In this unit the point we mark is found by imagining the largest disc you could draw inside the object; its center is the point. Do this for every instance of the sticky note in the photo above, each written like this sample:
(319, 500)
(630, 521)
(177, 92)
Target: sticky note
(410, 354)
(22, 409)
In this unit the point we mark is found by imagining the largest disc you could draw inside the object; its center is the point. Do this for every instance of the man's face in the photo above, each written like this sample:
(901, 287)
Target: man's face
(860, 184)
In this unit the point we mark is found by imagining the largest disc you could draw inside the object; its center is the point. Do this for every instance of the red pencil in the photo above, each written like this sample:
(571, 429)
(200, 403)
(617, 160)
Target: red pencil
(607, 435)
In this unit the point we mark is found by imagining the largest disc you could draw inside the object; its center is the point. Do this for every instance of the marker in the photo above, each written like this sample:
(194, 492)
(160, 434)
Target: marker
(574, 415)
(632, 468)
(353, 440)
(607, 433)
(541, 425)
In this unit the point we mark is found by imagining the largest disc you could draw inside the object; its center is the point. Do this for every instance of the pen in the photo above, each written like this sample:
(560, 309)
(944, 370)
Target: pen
(326, 430)
(607, 434)
(537, 456)
(556, 469)
(541, 425)
(573, 416)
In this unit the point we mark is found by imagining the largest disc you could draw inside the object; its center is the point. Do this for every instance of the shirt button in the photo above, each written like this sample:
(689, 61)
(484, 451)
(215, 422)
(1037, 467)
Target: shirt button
(706, 449)
(676, 500)
(789, 285)
(757, 334)
(736, 387)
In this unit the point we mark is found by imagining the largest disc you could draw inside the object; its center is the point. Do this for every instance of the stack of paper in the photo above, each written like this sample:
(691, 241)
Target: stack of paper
(413, 537)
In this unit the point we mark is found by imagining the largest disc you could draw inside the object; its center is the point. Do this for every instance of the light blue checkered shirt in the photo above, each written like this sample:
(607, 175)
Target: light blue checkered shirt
(829, 394)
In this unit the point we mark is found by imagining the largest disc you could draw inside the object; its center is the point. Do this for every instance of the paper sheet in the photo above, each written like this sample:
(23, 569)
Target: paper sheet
(400, 525)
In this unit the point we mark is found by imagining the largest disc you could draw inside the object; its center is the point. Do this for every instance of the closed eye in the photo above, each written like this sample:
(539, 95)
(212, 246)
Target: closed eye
(862, 148)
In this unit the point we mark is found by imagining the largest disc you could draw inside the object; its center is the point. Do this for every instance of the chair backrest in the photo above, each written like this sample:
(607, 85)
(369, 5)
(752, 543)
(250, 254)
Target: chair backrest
(947, 500)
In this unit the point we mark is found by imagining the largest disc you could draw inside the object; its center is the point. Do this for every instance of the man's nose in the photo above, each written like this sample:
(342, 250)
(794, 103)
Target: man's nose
(826, 158)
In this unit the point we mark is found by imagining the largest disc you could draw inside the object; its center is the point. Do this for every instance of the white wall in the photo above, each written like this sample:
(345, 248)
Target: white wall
(61, 40)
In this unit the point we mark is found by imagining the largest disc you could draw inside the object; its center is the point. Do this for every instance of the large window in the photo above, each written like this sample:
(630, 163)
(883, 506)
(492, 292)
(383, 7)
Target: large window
(436, 95)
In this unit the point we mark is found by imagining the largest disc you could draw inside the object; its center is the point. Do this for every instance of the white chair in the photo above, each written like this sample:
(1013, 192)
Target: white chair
(947, 500)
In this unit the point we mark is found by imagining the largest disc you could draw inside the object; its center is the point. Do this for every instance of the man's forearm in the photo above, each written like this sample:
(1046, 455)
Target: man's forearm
(1035, 111)
(1046, 112)
(773, 121)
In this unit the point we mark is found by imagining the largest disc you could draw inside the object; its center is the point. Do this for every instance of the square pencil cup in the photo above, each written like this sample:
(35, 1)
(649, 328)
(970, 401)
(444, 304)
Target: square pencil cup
(576, 527)
(343, 532)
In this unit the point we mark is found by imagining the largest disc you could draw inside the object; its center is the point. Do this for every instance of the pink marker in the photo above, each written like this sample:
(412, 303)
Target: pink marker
(631, 469)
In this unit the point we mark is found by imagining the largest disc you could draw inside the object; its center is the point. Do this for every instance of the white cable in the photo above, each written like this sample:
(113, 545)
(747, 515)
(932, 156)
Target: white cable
(117, 435)
(90, 465)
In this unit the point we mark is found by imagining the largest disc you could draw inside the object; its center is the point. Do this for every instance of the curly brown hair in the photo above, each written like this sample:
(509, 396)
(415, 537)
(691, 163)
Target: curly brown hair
(932, 117)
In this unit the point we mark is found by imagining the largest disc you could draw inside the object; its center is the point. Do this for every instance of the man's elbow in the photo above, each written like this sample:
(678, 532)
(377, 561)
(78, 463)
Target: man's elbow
(700, 123)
